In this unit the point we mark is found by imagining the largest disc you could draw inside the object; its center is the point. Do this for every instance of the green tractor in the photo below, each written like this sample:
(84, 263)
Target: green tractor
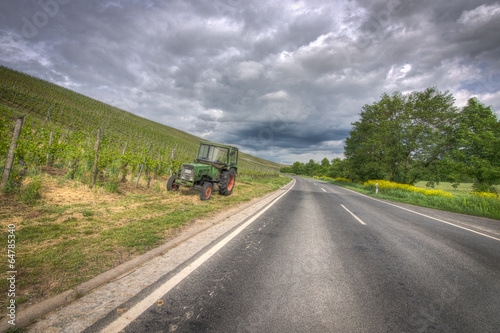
(216, 164)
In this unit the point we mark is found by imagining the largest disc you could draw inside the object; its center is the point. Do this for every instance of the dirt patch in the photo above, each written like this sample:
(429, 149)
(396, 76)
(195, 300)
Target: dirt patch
(13, 211)
(66, 193)
(53, 171)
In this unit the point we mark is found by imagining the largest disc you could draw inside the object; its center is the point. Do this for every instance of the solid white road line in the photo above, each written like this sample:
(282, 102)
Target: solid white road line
(427, 216)
(357, 218)
(134, 312)
(323, 189)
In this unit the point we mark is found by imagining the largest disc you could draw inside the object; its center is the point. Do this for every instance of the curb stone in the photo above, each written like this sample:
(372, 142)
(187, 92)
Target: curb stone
(34, 312)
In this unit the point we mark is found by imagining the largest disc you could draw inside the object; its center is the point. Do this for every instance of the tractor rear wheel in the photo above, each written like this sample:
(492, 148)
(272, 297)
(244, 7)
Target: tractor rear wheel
(227, 181)
(206, 191)
(171, 185)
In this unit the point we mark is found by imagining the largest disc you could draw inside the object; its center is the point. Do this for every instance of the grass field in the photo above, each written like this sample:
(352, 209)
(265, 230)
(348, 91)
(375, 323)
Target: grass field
(462, 189)
(75, 233)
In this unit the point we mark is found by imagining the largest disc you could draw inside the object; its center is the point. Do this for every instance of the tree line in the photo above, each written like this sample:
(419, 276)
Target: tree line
(422, 135)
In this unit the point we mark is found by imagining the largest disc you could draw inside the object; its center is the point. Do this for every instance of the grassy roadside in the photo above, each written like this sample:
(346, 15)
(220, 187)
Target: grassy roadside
(460, 201)
(74, 233)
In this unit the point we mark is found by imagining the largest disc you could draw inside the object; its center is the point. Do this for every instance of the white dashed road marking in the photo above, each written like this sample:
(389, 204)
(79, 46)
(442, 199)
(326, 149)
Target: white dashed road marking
(357, 218)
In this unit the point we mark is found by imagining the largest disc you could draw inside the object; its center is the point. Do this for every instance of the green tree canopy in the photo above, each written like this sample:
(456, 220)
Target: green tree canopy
(477, 152)
(401, 136)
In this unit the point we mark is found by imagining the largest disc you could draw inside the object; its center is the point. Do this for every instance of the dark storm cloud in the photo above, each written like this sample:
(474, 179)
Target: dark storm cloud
(291, 136)
(282, 79)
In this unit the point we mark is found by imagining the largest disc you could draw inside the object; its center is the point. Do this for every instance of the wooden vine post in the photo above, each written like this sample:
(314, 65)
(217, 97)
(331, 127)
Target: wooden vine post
(124, 148)
(49, 162)
(173, 158)
(123, 169)
(142, 165)
(10, 155)
(96, 159)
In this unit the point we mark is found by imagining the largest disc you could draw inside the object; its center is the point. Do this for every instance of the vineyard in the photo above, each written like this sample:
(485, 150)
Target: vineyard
(94, 142)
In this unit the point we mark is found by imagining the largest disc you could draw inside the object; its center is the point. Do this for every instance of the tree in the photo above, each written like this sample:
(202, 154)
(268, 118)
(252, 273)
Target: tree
(339, 168)
(477, 152)
(311, 168)
(367, 148)
(297, 168)
(324, 168)
(401, 136)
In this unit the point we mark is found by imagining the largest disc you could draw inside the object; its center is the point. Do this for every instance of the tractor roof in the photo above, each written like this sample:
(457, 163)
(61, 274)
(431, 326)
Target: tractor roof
(218, 145)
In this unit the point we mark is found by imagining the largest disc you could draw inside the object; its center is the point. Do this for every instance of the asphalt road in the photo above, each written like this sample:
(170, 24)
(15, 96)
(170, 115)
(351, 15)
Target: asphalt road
(325, 259)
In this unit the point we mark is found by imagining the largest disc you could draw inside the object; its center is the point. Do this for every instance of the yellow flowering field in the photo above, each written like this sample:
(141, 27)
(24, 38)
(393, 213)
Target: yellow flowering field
(338, 179)
(486, 195)
(387, 185)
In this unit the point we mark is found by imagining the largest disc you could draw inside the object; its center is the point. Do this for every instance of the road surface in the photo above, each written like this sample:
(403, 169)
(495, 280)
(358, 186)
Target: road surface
(325, 259)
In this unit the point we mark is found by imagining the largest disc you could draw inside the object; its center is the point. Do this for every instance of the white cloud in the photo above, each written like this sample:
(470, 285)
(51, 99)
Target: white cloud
(398, 72)
(211, 115)
(480, 15)
(249, 70)
(14, 49)
(276, 96)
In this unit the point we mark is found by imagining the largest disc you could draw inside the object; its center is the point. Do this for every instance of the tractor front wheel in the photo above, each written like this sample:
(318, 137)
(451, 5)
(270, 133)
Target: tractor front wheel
(206, 191)
(171, 185)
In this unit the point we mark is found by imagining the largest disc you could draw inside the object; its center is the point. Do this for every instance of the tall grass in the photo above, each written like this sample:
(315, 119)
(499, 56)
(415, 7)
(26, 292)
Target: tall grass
(30, 194)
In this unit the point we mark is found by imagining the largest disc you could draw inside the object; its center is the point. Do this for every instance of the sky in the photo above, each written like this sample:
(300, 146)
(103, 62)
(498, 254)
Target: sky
(282, 80)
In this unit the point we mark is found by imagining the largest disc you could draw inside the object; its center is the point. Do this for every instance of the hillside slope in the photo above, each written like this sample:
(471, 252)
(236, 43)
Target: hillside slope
(47, 103)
